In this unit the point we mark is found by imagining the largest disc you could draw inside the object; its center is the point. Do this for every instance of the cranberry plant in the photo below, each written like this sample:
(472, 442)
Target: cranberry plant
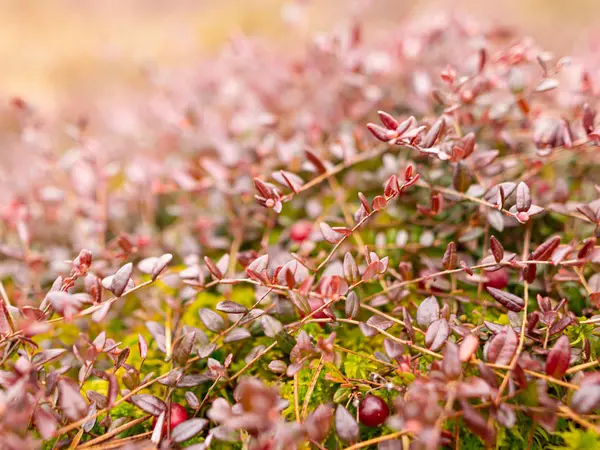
(388, 245)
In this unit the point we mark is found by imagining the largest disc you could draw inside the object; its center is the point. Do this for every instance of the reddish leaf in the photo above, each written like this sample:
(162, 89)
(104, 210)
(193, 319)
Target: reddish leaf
(230, 307)
(428, 311)
(434, 133)
(192, 400)
(352, 306)
(271, 326)
(113, 389)
(529, 273)
(544, 251)
(293, 181)
(45, 356)
(586, 399)
(560, 325)
(100, 314)
(345, 425)
(350, 268)
(121, 279)
(478, 424)
(381, 133)
(588, 213)
(318, 423)
(392, 348)
(462, 177)
(379, 203)
(158, 428)
(523, 197)
(149, 404)
(315, 161)
(158, 333)
(451, 364)
(371, 271)
(237, 334)
(160, 264)
(449, 260)
(379, 322)
(508, 300)
(388, 121)
(364, 202)
(183, 348)
(211, 320)
(589, 114)
(503, 346)
(559, 358)
(213, 268)
(505, 415)
(329, 234)
(437, 333)
(474, 387)
(188, 429)
(587, 247)
(497, 249)
(71, 402)
(547, 84)
(408, 324)
(468, 347)
(391, 187)
(45, 422)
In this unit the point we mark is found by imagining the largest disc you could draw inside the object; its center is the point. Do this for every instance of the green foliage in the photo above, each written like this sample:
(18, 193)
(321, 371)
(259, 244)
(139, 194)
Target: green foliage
(577, 439)
(357, 367)
(321, 394)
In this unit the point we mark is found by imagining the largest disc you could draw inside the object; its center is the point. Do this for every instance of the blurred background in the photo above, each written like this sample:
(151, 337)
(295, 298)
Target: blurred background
(57, 51)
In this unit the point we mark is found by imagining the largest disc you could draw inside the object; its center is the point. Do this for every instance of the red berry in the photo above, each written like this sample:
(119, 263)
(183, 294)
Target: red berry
(497, 279)
(178, 415)
(300, 230)
(373, 411)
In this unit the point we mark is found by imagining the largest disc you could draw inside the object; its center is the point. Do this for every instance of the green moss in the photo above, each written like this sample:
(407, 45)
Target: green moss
(321, 394)
(577, 439)
(357, 367)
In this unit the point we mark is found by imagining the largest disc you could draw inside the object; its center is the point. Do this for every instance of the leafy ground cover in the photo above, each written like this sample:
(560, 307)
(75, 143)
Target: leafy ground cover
(388, 245)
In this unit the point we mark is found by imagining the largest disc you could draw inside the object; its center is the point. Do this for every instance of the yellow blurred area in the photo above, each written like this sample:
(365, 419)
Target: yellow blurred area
(51, 50)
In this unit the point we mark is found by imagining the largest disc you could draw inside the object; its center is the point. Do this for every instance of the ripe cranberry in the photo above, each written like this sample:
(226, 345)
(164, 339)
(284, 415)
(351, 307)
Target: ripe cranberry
(497, 279)
(300, 230)
(373, 411)
(178, 415)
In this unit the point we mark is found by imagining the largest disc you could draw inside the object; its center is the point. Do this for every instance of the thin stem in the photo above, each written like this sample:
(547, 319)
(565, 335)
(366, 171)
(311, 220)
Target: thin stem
(114, 432)
(5, 307)
(80, 422)
(515, 358)
(344, 237)
(377, 440)
(580, 420)
(256, 358)
(120, 442)
(362, 157)
(311, 387)
(207, 395)
(296, 398)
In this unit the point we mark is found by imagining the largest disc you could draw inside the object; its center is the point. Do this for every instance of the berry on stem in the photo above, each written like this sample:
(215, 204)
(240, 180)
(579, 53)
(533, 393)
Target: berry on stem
(178, 414)
(373, 411)
(497, 279)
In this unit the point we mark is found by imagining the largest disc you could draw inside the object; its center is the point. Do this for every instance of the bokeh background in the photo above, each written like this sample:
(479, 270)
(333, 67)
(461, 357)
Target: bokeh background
(54, 52)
